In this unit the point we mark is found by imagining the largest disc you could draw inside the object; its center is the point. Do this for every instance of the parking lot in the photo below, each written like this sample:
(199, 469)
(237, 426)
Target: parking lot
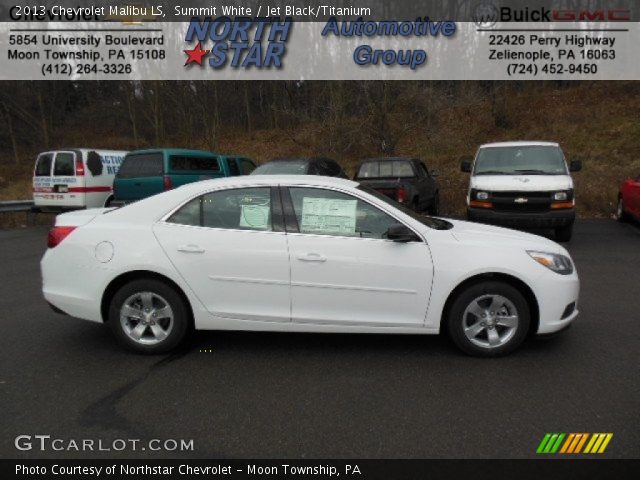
(274, 395)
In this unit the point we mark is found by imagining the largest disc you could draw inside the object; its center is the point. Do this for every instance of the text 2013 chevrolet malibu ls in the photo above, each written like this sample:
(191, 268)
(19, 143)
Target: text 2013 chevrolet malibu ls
(302, 254)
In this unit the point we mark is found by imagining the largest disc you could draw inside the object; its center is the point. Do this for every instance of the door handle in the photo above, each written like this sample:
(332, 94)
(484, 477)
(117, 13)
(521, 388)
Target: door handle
(312, 257)
(190, 249)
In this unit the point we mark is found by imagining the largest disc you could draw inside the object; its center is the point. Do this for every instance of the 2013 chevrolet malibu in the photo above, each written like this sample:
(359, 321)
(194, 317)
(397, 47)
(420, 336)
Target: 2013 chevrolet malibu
(302, 254)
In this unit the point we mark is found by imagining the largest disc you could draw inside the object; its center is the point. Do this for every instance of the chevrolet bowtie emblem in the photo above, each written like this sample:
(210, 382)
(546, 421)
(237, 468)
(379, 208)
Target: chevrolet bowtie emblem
(521, 200)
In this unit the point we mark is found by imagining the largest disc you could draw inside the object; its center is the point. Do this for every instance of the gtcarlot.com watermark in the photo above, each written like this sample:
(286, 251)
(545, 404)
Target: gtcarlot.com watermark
(44, 443)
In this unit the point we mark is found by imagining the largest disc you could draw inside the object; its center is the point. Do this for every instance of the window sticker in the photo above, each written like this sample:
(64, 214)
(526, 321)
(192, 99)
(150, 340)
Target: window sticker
(327, 215)
(254, 212)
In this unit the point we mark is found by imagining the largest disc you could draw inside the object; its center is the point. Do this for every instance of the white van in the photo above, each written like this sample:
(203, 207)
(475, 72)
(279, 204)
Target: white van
(71, 179)
(522, 184)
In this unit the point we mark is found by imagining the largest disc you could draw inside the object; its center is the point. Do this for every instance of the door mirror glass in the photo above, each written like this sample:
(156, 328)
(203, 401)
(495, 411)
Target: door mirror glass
(465, 166)
(435, 173)
(575, 166)
(401, 233)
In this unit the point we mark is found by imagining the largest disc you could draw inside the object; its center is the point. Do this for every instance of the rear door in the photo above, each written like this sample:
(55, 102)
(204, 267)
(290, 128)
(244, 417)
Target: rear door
(141, 175)
(57, 181)
(231, 248)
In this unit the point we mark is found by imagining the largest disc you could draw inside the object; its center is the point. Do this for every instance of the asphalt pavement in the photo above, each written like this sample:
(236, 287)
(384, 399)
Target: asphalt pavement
(274, 395)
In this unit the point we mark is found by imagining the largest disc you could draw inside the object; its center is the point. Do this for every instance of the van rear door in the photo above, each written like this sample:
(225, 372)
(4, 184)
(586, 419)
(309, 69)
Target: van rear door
(141, 175)
(58, 181)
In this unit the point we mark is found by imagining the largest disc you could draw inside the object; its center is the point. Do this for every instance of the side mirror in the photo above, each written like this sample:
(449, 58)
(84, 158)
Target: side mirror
(575, 166)
(401, 233)
(434, 173)
(465, 166)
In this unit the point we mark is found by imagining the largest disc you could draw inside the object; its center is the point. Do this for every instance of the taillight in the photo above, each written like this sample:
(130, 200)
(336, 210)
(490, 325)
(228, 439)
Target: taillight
(57, 235)
(401, 195)
(168, 184)
(79, 168)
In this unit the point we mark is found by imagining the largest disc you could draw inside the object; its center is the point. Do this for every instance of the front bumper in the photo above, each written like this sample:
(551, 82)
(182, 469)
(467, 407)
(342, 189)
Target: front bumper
(551, 219)
(557, 297)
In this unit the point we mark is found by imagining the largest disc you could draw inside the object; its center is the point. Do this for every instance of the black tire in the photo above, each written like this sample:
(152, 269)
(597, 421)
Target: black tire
(434, 208)
(456, 321)
(108, 202)
(162, 293)
(415, 205)
(564, 234)
(621, 215)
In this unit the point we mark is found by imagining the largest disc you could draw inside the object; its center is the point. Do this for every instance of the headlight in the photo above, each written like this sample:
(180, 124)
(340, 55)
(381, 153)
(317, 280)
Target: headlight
(553, 261)
(482, 195)
(560, 196)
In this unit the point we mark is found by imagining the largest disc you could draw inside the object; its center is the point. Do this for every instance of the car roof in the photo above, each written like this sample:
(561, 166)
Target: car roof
(270, 180)
(172, 151)
(388, 159)
(521, 143)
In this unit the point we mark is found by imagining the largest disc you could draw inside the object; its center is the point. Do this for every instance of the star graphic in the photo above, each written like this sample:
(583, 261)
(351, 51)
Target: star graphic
(195, 55)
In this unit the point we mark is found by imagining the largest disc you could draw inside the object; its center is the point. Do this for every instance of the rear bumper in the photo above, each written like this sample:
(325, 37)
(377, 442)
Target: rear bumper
(551, 219)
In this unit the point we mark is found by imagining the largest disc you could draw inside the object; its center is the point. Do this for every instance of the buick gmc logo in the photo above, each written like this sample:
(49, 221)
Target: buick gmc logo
(486, 14)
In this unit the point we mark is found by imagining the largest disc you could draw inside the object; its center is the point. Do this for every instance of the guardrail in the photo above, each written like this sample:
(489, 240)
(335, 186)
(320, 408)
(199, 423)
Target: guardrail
(16, 206)
(19, 206)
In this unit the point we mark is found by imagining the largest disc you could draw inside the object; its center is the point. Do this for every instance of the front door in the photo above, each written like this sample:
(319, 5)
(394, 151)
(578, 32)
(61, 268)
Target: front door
(343, 269)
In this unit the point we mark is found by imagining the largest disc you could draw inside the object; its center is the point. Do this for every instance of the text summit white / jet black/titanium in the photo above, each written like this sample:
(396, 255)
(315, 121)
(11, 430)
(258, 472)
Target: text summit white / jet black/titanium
(302, 254)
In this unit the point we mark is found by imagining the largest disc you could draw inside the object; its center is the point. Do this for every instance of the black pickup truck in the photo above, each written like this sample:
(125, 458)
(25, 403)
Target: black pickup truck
(405, 180)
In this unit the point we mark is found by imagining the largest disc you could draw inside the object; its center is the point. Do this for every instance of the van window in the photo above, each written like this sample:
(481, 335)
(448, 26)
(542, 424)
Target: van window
(64, 165)
(43, 165)
(234, 170)
(141, 165)
(185, 163)
(246, 166)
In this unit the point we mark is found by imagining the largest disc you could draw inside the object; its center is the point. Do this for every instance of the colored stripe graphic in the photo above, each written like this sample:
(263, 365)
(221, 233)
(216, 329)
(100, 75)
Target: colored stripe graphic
(573, 443)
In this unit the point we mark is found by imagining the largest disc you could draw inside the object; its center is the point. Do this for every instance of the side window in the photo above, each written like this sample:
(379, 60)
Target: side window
(238, 209)
(64, 165)
(326, 212)
(247, 166)
(185, 163)
(234, 170)
(189, 214)
(43, 165)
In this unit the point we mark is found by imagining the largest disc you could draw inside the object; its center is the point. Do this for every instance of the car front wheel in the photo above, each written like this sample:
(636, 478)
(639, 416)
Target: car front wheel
(148, 316)
(489, 319)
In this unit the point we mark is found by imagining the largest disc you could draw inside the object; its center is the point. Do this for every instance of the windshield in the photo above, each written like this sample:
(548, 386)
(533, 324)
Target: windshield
(431, 222)
(386, 169)
(527, 160)
(294, 167)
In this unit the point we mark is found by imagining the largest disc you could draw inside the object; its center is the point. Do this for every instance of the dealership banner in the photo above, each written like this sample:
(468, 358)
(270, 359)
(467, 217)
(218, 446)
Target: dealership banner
(485, 40)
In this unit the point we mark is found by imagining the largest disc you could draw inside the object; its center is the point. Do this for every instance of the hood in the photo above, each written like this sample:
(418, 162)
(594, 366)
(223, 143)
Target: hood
(521, 183)
(470, 232)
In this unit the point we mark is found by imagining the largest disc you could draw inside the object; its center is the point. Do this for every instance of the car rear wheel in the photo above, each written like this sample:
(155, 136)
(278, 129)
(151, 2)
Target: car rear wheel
(564, 234)
(621, 215)
(148, 316)
(489, 319)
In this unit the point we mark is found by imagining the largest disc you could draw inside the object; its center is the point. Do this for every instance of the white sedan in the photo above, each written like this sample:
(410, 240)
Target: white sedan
(302, 254)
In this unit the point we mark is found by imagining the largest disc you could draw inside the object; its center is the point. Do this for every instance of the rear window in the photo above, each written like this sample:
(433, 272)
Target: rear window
(141, 165)
(186, 163)
(64, 165)
(395, 169)
(43, 165)
(293, 167)
(246, 166)
(234, 169)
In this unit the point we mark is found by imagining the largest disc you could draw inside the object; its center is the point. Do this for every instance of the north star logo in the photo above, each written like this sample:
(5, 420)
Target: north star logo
(239, 43)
